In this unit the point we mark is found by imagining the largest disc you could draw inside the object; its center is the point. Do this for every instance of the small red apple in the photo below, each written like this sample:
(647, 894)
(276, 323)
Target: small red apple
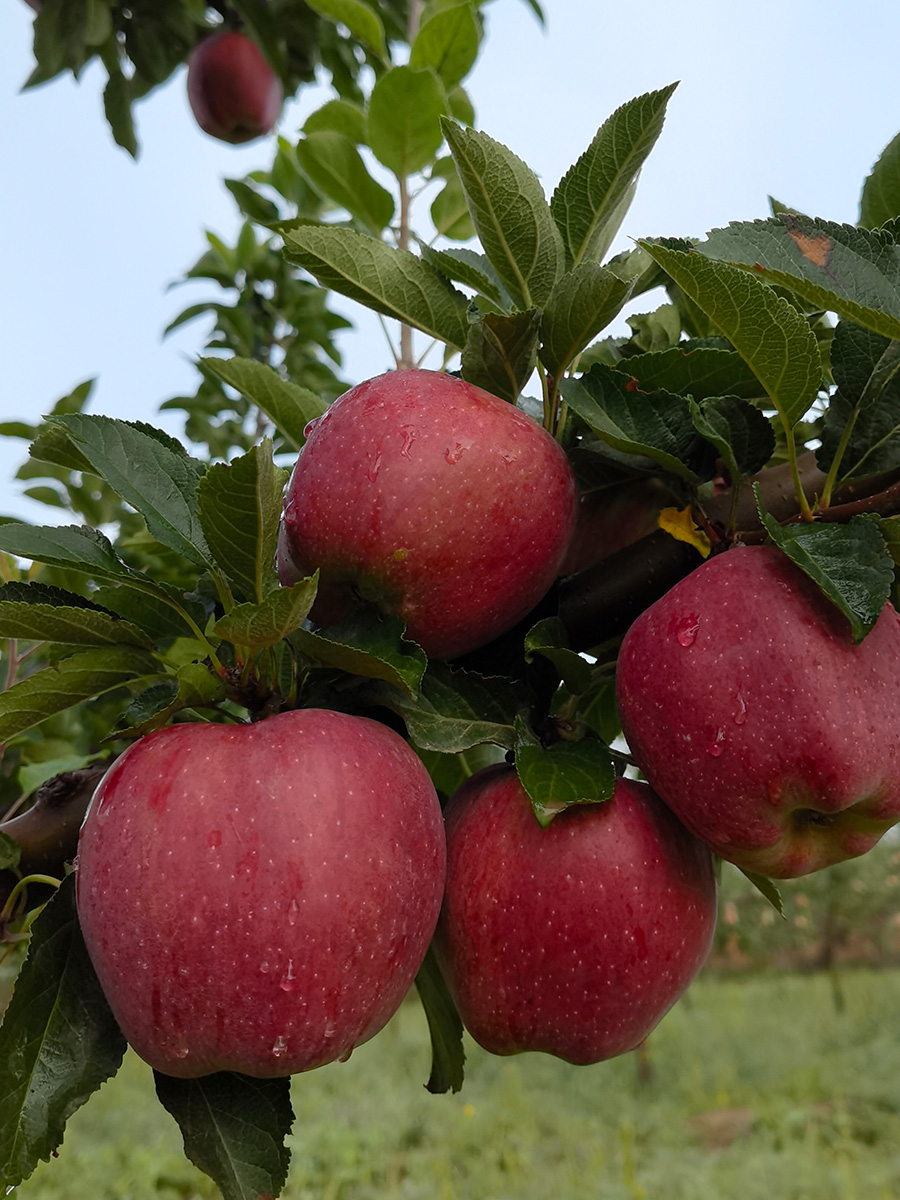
(233, 92)
(434, 499)
(258, 898)
(754, 716)
(575, 939)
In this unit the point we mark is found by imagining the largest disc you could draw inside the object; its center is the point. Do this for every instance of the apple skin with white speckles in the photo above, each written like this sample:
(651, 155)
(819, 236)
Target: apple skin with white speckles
(433, 499)
(754, 716)
(575, 939)
(258, 898)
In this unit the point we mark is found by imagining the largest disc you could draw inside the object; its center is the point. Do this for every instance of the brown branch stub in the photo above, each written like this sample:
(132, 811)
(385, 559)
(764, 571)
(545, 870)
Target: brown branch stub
(47, 833)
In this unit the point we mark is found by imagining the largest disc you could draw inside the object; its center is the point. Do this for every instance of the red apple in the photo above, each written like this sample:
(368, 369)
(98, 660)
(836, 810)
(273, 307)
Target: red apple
(758, 721)
(434, 499)
(575, 939)
(233, 92)
(258, 898)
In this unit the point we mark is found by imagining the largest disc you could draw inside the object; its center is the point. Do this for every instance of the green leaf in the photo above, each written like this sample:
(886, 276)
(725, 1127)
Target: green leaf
(392, 282)
(193, 686)
(501, 352)
(117, 97)
(289, 405)
(470, 268)
(565, 773)
(766, 888)
(450, 771)
(360, 18)
(448, 1057)
(234, 1129)
(449, 212)
(510, 214)
(694, 370)
(338, 116)
(862, 420)
(404, 123)
(79, 677)
(58, 1041)
(448, 41)
(151, 472)
(257, 207)
(656, 425)
(588, 201)
(851, 563)
(741, 433)
(69, 546)
(853, 272)
(772, 337)
(583, 302)
(550, 639)
(73, 626)
(280, 614)
(335, 167)
(239, 504)
(880, 199)
(10, 854)
(456, 710)
(367, 644)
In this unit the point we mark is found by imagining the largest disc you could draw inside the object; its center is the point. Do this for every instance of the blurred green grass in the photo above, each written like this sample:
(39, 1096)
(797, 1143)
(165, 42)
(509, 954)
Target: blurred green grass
(759, 1089)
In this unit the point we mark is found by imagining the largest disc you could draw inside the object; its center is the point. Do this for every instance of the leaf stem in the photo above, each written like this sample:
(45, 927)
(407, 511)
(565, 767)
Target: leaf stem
(7, 911)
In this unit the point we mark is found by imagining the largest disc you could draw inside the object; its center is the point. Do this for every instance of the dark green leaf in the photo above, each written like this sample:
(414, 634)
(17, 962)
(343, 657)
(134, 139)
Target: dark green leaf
(583, 302)
(772, 337)
(588, 202)
(500, 353)
(392, 282)
(448, 1057)
(73, 546)
(289, 405)
(151, 472)
(361, 19)
(405, 111)
(117, 97)
(470, 268)
(79, 626)
(741, 433)
(58, 1041)
(194, 686)
(549, 639)
(10, 853)
(766, 888)
(692, 370)
(334, 166)
(280, 614)
(456, 710)
(880, 199)
(657, 426)
(510, 214)
(851, 563)
(862, 420)
(367, 644)
(234, 1129)
(251, 203)
(79, 677)
(565, 773)
(839, 268)
(239, 504)
(450, 771)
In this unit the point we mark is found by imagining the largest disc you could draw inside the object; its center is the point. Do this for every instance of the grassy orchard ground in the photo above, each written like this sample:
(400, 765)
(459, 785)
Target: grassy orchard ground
(759, 1089)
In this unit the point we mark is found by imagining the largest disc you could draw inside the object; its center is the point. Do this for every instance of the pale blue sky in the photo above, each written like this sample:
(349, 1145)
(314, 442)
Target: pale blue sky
(792, 99)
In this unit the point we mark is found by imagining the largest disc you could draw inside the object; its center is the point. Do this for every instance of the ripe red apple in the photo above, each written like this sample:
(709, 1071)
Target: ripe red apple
(758, 721)
(435, 500)
(575, 939)
(258, 898)
(233, 92)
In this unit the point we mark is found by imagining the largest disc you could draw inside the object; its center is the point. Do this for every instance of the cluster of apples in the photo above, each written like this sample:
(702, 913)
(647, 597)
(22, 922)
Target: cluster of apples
(260, 897)
(233, 92)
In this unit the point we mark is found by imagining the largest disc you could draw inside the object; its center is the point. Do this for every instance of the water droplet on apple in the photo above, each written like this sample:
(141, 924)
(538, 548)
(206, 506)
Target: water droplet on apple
(453, 456)
(310, 426)
(215, 839)
(372, 473)
(716, 748)
(280, 1047)
(264, 968)
(344, 1057)
(293, 913)
(741, 715)
(409, 436)
(181, 1052)
(330, 1029)
(289, 982)
(686, 631)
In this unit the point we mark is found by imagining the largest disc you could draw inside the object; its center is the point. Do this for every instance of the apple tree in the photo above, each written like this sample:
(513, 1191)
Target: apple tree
(240, 656)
